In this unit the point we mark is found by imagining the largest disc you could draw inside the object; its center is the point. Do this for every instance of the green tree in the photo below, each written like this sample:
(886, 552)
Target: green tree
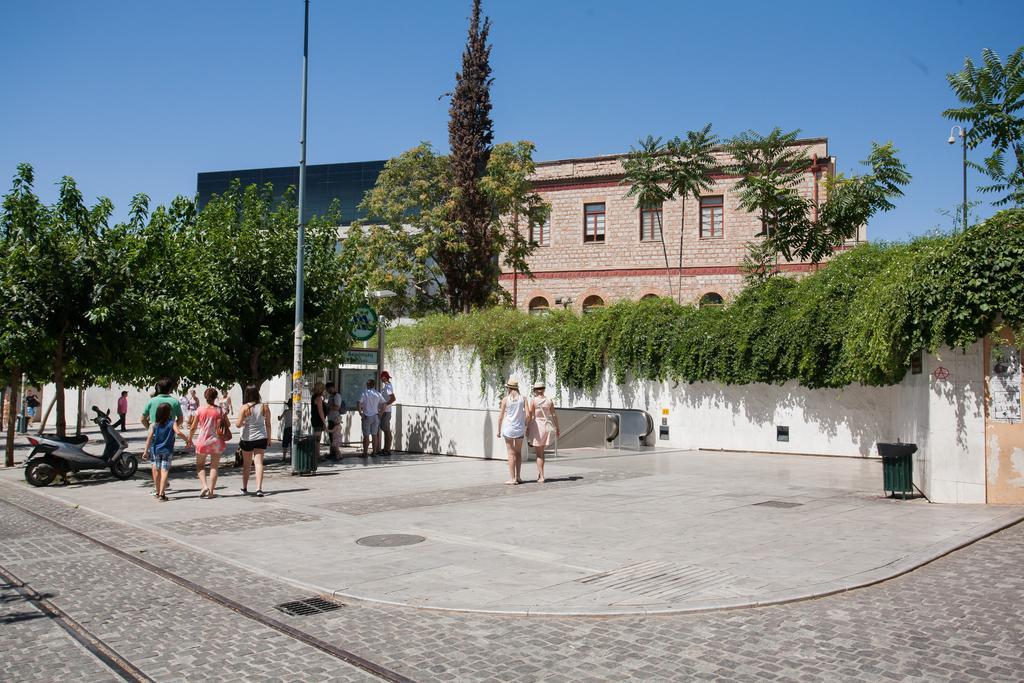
(468, 263)
(993, 97)
(22, 348)
(657, 173)
(413, 221)
(230, 288)
(770, 168)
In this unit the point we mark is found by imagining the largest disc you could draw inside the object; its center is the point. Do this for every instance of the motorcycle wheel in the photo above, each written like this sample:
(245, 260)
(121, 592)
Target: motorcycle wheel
(125, 467)
(41, 471)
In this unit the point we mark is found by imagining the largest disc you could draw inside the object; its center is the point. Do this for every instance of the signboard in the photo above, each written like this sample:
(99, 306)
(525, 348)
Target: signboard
(364, 323)
(360, 357)
(1004, 384)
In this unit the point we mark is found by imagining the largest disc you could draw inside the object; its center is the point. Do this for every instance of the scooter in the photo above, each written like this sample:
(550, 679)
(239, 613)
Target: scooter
(53, 455)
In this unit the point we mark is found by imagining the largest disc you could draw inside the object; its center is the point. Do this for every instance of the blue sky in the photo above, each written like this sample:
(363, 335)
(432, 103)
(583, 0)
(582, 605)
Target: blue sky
(131, 96)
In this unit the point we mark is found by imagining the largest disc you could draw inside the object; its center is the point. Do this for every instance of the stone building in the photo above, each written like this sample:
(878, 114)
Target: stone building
(598, 247)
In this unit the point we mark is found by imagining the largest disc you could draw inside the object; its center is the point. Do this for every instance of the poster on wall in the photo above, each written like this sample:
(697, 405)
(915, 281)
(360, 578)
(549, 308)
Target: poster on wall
(1004, 384)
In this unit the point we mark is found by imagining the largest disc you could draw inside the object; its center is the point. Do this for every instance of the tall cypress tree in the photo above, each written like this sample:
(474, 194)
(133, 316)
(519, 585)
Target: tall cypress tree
(470, 135)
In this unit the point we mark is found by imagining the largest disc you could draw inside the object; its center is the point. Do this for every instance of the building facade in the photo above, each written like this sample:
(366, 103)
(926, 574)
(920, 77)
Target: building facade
(598, 247)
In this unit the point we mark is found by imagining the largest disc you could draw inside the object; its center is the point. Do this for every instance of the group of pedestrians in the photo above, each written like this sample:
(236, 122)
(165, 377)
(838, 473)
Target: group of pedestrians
(374, 407)
(531, 418)
(209, 430)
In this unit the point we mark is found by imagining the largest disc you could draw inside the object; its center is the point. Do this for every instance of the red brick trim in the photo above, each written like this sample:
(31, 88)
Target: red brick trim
(687, 271)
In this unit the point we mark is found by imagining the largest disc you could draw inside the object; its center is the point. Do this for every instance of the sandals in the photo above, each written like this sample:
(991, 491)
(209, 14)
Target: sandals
(204, 493)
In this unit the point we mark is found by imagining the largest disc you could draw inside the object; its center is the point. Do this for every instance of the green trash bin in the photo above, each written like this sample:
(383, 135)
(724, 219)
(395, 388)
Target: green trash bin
(898, 468)
(304, 456)
(22, 424)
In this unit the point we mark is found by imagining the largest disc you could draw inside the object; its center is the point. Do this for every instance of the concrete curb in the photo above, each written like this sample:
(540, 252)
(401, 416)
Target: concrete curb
(893, 570)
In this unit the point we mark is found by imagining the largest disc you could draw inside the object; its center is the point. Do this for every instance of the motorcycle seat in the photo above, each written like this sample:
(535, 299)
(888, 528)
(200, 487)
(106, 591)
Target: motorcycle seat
(73, 440)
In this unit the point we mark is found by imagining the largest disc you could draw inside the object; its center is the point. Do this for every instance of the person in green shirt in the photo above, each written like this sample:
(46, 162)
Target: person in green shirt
(164, 387)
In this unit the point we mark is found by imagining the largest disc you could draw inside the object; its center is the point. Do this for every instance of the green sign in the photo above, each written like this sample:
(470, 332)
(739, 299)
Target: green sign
(364, 323)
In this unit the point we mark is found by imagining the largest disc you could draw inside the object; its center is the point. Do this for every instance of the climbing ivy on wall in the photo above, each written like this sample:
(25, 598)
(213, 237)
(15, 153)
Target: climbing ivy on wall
(858, 319)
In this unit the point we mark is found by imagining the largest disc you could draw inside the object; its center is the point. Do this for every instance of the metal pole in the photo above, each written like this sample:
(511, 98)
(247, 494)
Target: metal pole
(963, 136)
(299, 419)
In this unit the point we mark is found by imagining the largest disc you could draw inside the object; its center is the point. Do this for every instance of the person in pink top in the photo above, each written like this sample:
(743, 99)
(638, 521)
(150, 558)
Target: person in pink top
(213, 428)
(122, 411)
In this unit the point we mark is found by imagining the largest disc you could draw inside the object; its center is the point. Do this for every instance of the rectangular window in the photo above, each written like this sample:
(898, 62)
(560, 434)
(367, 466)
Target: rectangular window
(711, 221)
(541, 232)
(593, 222)
(650, 223)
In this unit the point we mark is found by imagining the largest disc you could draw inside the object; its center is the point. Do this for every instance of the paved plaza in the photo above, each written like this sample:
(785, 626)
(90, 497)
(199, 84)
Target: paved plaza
(620, 535)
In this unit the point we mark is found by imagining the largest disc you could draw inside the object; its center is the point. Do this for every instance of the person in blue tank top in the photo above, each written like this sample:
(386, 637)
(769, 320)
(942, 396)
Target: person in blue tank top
(160, 446)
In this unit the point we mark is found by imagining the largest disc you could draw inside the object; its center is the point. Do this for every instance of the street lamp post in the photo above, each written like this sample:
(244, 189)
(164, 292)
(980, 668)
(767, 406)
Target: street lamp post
(298, 383)
(963, 140)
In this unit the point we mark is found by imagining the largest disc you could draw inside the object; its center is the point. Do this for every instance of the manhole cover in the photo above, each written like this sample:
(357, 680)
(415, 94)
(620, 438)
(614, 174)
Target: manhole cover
(390, 540)
(308, 606)
(779, 504)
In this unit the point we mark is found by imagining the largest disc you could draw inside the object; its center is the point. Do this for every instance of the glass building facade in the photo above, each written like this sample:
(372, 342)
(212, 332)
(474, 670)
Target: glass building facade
(324, 183)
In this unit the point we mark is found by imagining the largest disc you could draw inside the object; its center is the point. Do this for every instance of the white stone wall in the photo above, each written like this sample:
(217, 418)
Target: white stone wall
(445, 410)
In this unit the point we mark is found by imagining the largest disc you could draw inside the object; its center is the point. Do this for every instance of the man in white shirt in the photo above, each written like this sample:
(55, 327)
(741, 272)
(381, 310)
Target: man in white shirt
(370, 405)
(387, 392)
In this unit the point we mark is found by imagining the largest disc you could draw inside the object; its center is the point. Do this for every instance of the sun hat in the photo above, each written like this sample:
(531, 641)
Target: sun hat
(385, 374)
(512, 384)
(538, 385)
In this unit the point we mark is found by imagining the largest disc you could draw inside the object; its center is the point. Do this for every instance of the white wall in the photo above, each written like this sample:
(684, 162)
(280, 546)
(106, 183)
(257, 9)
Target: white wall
(445, 410)
(946, 419)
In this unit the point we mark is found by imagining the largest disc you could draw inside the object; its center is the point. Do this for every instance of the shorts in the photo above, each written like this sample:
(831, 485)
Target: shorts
(371, 425)
(161, 461)
(255, 445)
(286, 437)
(385, 422)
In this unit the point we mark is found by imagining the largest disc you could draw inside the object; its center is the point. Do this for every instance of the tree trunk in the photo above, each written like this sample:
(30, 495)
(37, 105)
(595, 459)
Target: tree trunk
(46, 414)
(12, 413)
(58, 381)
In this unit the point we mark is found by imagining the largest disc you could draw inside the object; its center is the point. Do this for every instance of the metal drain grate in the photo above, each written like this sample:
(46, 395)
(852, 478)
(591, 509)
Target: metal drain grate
(655, 579)
(308, 607)
(779, 504)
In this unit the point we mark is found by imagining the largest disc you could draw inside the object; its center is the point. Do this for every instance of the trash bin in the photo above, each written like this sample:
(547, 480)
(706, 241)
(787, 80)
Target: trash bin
(304, 456)
(22, 424)
(898, 468)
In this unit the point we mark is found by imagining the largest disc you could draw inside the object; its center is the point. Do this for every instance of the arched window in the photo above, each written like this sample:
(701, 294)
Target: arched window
(592, 303)
(711, 299)
(650, 295)
(539, 304)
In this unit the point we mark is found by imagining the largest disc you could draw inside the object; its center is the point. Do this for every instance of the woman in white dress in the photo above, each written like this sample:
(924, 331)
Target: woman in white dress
(512, 428)
(541, 421)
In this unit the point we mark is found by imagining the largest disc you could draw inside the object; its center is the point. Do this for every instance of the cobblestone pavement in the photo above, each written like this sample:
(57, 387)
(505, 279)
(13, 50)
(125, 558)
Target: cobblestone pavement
(955, 619)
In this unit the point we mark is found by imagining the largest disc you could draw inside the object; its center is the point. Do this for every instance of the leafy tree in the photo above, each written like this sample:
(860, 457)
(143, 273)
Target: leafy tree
(226, 311)
(412, 210)
(993, 97)
(468, 263)
(22, 348)
(657, 173)
(770, 168)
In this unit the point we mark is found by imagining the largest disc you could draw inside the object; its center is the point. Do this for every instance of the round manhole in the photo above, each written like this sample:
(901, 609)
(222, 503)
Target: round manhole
(390, 540)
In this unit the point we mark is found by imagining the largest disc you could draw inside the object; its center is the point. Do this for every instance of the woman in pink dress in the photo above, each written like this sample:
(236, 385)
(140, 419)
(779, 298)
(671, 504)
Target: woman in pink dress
(541, 423)
(212, 425)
